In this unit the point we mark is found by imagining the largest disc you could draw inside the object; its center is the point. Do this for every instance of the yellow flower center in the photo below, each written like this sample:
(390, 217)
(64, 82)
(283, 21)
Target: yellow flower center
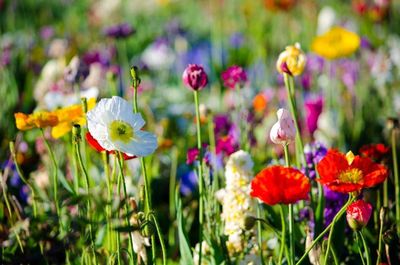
(353, 175)
(121, 131)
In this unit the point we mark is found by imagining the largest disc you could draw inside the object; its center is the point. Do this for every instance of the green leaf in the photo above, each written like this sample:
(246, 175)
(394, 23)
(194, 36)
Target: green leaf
(184, 248)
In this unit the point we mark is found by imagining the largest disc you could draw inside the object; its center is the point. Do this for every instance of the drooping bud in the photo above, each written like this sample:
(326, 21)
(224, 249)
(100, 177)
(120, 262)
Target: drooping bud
(195, 77)
(291, 61)
(249, 222)
(284, 130)
(358, 214)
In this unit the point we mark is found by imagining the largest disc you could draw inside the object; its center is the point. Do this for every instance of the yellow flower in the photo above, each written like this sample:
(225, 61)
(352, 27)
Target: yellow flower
(336, 43)
(69, 116)
(40, 119)
(291, 61)
(61, 120)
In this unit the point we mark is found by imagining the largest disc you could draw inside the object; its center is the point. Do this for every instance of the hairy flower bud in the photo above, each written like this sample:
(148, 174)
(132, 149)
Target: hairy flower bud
(291, 61)
(284, 130)
(358, 214)
(195, 77)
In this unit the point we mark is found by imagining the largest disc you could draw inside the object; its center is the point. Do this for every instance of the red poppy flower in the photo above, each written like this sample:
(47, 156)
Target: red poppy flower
(96, 146)
(278, 184)
(349, 173)
(374, 151)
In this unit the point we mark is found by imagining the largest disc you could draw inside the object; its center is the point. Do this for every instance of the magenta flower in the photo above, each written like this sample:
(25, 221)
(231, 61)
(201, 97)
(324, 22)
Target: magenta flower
(234, 76)
(358, 214)
(195, 77)
(192, 155)
(313, 105)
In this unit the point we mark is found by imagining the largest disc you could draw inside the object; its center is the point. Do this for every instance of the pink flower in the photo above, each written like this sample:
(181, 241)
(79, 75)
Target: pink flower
(192, 155)
(358, 214)
(313, 106)
(195, 77)
(234, 76)
(284, 130)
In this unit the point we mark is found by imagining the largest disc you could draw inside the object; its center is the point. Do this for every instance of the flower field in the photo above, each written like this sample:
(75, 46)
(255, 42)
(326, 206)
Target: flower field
(200, 132)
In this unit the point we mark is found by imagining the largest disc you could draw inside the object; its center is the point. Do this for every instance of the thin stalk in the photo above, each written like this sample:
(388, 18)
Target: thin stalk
(292, 105)
(381, 219)
(105, 159)
(55, 176)
(22, 176)
(164, 252)
(396, 178)
(291, 217)
(328, 228)
(200, 173)
(122, 177)
(283, 235)
(118, 211)
(259, 233)
(335, 219)
(359, 249)
(366, 249)
(88, 210)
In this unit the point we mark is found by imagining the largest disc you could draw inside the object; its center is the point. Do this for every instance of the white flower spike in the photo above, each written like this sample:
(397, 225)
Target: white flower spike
(116, 128)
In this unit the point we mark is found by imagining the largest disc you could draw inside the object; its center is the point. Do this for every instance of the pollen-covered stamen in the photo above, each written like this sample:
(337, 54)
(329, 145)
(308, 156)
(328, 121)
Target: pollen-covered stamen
(121, 131)
(353, 175)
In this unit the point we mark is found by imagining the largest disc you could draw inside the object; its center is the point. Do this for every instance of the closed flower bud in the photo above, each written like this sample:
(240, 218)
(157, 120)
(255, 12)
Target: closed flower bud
(76, 133)
(234, 76)
(291, 61)
(284, 130)
(195, 77)
(249, 222)
(358, 214)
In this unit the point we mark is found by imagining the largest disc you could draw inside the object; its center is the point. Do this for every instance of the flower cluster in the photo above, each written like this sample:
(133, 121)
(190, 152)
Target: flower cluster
(236, 202)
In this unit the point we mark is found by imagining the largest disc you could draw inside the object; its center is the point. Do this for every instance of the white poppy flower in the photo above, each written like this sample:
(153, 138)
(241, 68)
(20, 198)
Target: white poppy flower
(116, 128)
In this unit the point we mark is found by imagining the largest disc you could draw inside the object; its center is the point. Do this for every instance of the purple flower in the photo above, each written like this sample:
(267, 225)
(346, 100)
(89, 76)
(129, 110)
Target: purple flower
(234, 76)
(333, 202)
(188, 181)
(236, 40)
(313, 105)
(313, 152)
(195, 77)
(46, 32)
(119, 31)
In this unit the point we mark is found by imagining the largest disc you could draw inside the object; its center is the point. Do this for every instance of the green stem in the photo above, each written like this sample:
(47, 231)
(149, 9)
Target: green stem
(328, 228)
(292, 105)
(200, 173)
(259, 233)
(359, 249)
(396, 178)
(118, 212)
(335, 219)
(291, 217)
(105, 159)
(164, 253)
(22, 176)
(122, 177)
(283, 235)
(366, 249)
(381, 219)
(88, 210)
(55, 176)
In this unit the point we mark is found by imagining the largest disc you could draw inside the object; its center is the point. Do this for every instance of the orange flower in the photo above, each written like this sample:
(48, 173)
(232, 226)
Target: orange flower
(40, 119)
(260, 102)
(278, 184)
(349, 173)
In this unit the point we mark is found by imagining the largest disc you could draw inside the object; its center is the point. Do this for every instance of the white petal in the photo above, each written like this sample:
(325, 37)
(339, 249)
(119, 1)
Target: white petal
(136, 122)
(144, 144)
